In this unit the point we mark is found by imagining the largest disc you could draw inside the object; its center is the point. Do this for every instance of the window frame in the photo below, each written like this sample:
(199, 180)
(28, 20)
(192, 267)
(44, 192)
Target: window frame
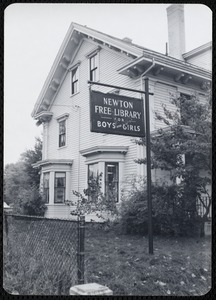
(46, 190)
(62, 134)
(93, 68)
(61, 187)
(106, 179)
(72, 82)
(96, 69)
(60, 119)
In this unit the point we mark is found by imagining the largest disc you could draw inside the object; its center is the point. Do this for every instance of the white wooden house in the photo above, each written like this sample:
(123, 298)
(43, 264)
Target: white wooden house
(70, 150)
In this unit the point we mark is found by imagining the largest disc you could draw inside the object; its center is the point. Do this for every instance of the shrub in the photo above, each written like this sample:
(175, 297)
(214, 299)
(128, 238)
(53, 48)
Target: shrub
(30, 202)
(172, 214)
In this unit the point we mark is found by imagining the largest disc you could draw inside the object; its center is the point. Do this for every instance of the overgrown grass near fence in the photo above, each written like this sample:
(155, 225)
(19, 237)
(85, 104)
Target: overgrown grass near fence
(40, 256)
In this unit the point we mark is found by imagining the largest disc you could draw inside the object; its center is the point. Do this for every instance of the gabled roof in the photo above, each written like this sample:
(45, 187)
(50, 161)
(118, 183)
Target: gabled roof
(67, 51)
(198, 50)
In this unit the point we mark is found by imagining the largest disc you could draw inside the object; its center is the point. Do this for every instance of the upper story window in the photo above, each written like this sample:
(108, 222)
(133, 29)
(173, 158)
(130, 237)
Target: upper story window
(62, 130)
(94, 67)
(93, 57)
(75, 81)
(62, 133)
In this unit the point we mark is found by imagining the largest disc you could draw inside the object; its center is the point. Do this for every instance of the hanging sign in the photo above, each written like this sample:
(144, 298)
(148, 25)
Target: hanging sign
(115, 114)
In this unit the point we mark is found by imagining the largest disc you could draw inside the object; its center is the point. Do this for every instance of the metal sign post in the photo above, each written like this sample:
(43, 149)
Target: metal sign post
(148, 151)
(148, 166)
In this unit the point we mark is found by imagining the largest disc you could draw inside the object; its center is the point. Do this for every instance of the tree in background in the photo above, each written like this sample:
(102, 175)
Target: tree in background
(183, 148)
(15, 178)
(30, 157)
(21, 183)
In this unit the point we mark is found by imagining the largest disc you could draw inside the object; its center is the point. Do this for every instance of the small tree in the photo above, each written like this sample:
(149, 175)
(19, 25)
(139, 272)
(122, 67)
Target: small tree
(92, 200)
(184, 149)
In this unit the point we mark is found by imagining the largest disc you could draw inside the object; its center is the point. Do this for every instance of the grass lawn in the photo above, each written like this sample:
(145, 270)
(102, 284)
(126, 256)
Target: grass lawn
(179, 266)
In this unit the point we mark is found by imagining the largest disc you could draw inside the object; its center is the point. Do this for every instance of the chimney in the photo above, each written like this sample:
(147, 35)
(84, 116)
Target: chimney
(176, 30)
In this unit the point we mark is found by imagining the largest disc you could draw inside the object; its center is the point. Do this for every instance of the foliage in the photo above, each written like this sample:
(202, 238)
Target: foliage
(30, 202)
(94, 201)
(172, 214)
(15, 178)
(183, 147)
(21, 181)
(30, 157)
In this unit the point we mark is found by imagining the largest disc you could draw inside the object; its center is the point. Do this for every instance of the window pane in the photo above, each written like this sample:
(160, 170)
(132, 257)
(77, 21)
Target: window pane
(62, 133)
(111, 180)
(46, 186)
(74, 81)
(74, 75)
(62, 127)
(92, 170)
(62, 140)
(60, 184)
(93, 68)
(59, 195)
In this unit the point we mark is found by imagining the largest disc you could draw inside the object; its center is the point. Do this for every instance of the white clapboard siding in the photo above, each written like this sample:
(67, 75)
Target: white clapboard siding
(203, 60)
(162, 94)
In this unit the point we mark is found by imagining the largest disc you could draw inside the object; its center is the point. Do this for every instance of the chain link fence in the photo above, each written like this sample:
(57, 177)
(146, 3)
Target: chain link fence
(42, 256)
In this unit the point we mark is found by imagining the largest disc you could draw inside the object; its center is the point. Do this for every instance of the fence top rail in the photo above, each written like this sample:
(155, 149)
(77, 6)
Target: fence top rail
(40, 218)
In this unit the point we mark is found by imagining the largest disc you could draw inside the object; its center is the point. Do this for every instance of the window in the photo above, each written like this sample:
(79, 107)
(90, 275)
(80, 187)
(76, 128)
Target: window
(60, 182)
(92, 177)
(74, 81)
(62, 133)
(46, 186)
(111, 180)
(92, 171)
(93, 61)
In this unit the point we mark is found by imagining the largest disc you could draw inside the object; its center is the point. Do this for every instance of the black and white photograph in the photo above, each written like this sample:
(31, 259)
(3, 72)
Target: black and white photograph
(107, 180)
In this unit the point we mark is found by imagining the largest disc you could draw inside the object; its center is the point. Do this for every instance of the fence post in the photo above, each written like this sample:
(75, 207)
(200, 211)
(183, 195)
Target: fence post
(6, 226)
(81, 248)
